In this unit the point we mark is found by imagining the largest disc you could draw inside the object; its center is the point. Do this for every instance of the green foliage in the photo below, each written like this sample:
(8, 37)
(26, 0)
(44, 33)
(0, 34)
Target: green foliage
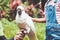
(4, 5)
(40, 30)
(10, 29)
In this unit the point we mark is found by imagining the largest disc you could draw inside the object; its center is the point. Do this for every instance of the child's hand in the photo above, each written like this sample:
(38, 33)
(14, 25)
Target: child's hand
(20, 35)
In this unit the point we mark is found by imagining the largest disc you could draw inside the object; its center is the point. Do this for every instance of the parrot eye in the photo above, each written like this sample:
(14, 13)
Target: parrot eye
(19, 11)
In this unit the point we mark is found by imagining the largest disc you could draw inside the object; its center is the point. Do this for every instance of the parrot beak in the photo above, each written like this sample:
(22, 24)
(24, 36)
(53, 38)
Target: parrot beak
(19, 11)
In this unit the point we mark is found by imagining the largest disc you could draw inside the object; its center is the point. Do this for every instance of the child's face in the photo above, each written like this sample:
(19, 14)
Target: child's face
(39, 5)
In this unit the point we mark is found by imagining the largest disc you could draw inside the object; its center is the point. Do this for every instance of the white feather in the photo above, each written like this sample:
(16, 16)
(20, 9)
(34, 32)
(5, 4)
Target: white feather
(25, 21)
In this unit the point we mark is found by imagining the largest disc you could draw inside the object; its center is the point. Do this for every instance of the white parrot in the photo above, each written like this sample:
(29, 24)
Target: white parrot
(24, 21)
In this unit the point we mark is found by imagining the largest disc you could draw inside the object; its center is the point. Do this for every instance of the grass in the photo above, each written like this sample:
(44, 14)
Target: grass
(10, 29)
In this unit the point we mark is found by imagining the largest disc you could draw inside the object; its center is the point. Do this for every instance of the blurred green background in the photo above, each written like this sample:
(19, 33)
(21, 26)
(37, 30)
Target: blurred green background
(10, 28)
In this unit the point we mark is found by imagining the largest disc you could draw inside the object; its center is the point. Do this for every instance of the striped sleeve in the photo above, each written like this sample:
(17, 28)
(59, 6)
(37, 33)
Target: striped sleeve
(58, 12)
